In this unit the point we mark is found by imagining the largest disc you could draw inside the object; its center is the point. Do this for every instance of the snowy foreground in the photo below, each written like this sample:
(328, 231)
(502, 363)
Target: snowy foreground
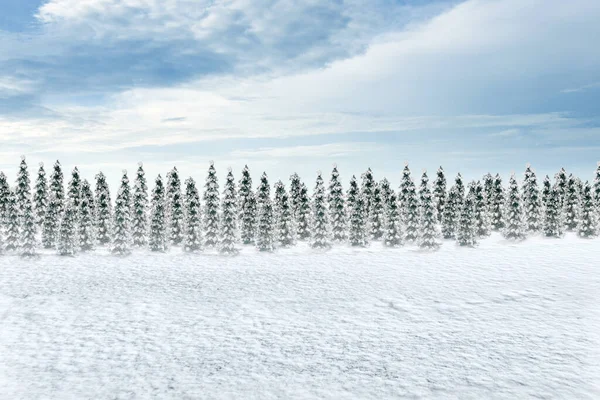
(501, 321)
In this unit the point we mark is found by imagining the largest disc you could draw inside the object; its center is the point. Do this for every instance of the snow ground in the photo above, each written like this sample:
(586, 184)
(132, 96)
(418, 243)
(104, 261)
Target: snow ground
(502, 321)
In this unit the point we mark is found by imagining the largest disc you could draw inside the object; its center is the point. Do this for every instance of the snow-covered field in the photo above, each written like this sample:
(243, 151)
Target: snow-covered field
(503, 321)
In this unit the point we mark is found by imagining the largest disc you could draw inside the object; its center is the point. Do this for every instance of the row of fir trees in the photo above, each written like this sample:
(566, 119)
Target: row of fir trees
(83, 217)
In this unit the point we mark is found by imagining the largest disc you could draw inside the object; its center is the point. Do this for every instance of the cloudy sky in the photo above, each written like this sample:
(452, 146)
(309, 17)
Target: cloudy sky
(285, 85)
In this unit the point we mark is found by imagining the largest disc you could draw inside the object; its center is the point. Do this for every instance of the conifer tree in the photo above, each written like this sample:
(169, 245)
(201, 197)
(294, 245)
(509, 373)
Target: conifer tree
(546, 192)
(532, 202)
(74, 192)
(295, 188)
(279, 192)
(57, 187)
(553, 223)
(247, 208)
(12, 234)
(40, 195)
(406, 183)
(488, 186)
(228, 218)
(304, 216)
(377, 216)
(482, 221)
(588, 223)
(285, 222)
(460, 187)
(28, 230)
(595, 195)
(412, 213)
(175, 208)
(571, 204)
(515, 226)
(393, 230)
(51, 224)
(451, 214)
(4, 195)
(263, 191)
(23, 186)
(265, 240)
(439, 193)
(358, 222)
(367, 189)
(337, 208)
(103, 210)
(386, 193)
(320, 238)
(122, 220)
(86, 233)
(211, 209)
(497, 205)
(67, 235)
(193, 233)
(427, 219)
(157, 239)
(466, 234)
(140, 209)
(560, 182)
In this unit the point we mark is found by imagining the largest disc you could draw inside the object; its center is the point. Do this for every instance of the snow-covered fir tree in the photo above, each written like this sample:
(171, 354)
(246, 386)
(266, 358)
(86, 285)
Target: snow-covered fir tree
(211, 209)
(157, 238)
(357, 235)
(229, 217)
(488, 188)
(279, 192)
(571, 204)
(482, 220)
(427, 218)
(121, 244)
(265, 238)
(4, 195)
(175, 208)
(57, 186)
(67, 235)
(247, 208)
(439, 192)
(337, 210)
(12, 228)
(51, 224)
(285, 235)
(595, 195)
(86, 232)
(377, 215)
(497, 203)
(466, 234)
(23, 186)
(460, 187)
(515, 227)
(304, 215)
(553, 222)
(411, 213)
(74, 190)
(393, 236)
(532, 202)
(367, 189)
(103, 210)
(560, 182)
(588, 221)
(386, 193)
(28, 230)
(295, 187)
(406, 183)
(139, 222)
(546, 192)
(40, 195)
(193, 225)
(263, 191)
(320, 237)
(451, 214)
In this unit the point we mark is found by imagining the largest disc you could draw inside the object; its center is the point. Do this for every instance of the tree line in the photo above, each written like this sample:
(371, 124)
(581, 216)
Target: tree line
(174, 214)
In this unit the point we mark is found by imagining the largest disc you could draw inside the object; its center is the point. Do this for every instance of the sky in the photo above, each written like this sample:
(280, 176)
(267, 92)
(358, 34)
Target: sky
(284, 85)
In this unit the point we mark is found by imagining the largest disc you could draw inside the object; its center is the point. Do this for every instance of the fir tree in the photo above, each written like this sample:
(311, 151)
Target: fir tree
(103, 210)
(320, 238)
(12, 234)
(74, 192)
(367, 189)
(28, 230)
(40, 195)
(358, 222)
(122, 220)
(140, 209)
(247, 208)
(571, 204)
(411, 213)
(515, 227)
(588, 223)
(488, 186)
(67, 239)
(561, 181)
(285, 222)
(532, 202)
(175, 208)
(439, 193)
(304, 214)
(482, 221)
(57, 187)
(263, 191)
(23, 186)
(406, 183)
(428, 219)
(393, 230)
(497, 205)
(553, 224)
(460, 187)
(466, 234)
(193, 233)
(451, 214)
(4, 195)
(228, 218)
(546, 192)
(51, 224)
(86, 233)
(337, 208)
(157, 239)
(211, 209)
(386, 193)
(265, 240)
(377, 216)
(295, 188)
(596, 194)
(279, 192)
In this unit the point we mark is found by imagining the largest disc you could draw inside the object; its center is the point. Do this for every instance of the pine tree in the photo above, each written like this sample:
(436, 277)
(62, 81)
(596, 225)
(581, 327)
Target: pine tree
(157, 239)
(460, 187)
(74, 192)
(320, 238)
(553, 224)
(337, 208)
(211, 209)
(466, 234)
(265, 240)
(596, 194)
(263, 191)
(386, 194)
(247, 208)
(561, 185)
(412, 214)
(532, 202)
(497, 205)
(304, 218)
(285, 222)
(439, 193)
(295, 188)
(393, 230)
(451, 214)
(103, 210)
(4, 195)
(140, 209)
(175, 208)
(28, 230)
(67, 239)
(588, 223)
(228, 218)
(427, 219)
(515, 226)
(193, 233)
(51, 224)
(57, 187)
(482, 221)
(406, 183)
(12, 234)
(40, 195)
(279, 192)
(546, 192)
(377, 216)
(122, 219)
(86, 233)
(23, 186)
(367, 190)
(488, 188)
(571, 204)
(358, 222)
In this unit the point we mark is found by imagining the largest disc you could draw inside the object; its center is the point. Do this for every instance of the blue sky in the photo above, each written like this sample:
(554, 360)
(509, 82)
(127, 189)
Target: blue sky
(283, 85)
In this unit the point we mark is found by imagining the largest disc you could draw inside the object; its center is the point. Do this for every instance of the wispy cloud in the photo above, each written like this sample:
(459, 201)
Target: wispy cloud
(583, 88)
